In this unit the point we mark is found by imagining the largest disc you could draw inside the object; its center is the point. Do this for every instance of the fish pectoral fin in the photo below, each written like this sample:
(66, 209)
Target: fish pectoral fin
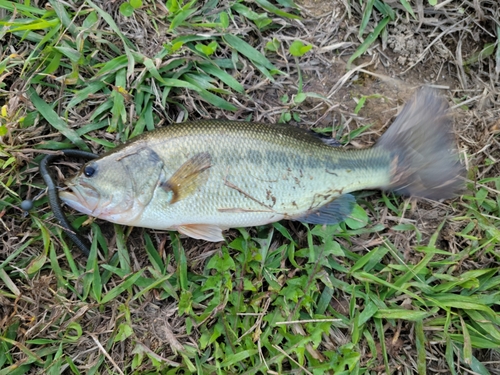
(190, 175)
(207, 232)
(332, 213)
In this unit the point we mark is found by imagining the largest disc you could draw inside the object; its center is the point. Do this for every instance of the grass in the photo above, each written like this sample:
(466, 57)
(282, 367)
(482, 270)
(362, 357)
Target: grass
(400, 287)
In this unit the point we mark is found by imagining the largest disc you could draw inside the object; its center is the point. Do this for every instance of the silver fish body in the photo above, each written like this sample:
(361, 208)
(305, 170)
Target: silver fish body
(201, 178)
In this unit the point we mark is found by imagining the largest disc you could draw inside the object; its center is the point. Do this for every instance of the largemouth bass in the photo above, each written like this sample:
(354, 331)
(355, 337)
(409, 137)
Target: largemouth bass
(201, 178)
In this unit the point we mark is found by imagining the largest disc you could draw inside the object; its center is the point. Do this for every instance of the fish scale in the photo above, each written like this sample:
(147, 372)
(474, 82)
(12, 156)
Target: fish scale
(275, 183)
(203, 177)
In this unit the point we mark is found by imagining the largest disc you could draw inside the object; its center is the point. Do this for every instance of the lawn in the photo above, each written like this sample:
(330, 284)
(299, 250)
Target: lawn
(404, 286)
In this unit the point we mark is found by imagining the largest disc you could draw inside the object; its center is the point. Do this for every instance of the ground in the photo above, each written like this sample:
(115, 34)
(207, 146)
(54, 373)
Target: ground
(406, 287)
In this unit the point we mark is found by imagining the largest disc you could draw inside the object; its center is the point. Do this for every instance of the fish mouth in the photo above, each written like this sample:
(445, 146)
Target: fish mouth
(81, 197)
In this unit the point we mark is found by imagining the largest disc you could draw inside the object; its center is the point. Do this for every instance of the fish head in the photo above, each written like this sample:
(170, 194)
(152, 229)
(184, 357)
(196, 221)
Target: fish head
(100, 190)
(116, 187)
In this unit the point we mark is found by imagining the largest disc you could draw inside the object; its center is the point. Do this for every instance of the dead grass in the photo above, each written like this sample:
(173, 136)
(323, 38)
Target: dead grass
(182, 307)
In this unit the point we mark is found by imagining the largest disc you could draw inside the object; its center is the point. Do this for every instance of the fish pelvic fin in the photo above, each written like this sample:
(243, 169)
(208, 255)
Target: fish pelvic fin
(207, 232)
(190, 175)
(424, 156)
(332, 213)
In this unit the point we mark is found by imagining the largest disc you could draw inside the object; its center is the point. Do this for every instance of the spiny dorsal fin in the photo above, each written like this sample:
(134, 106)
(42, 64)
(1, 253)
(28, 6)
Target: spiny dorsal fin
(191, 175)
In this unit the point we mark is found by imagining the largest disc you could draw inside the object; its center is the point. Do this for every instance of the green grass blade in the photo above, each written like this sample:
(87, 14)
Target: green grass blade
(408, 8)
(25, 10)
(64, 16)
(53, 119)
(83, 94)
(370, 39)
(366, 17)
(385, 9)
(126, 43)
(181, 17)
(223, 76)
(412, 315)
(273, 9)
(119, 289)
(248, 51)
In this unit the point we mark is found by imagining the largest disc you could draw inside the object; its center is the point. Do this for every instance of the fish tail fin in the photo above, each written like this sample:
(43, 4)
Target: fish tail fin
(424, 156)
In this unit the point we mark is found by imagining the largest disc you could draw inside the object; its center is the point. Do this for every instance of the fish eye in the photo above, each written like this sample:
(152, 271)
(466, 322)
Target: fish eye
(89, 170)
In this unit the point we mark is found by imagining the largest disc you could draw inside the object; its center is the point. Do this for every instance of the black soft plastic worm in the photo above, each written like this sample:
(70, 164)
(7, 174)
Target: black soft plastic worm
(54, 201)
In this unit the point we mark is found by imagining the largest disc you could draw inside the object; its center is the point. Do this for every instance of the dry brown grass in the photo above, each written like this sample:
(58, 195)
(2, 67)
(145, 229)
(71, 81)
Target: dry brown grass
(442, 47)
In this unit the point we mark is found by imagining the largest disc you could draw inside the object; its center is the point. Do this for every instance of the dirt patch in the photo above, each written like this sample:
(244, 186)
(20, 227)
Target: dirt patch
(321, 8)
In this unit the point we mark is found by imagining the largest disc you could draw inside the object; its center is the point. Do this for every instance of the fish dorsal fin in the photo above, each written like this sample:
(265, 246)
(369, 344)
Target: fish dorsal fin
(332, 213)
(207, 232)
(190, 175)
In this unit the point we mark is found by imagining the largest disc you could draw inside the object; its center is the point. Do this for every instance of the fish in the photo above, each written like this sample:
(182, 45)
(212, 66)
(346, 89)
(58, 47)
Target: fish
(201, 178)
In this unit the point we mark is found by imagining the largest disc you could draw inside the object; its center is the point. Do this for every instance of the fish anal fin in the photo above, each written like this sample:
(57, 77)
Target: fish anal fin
(190, 175)
(332, 213)
(207, 232)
